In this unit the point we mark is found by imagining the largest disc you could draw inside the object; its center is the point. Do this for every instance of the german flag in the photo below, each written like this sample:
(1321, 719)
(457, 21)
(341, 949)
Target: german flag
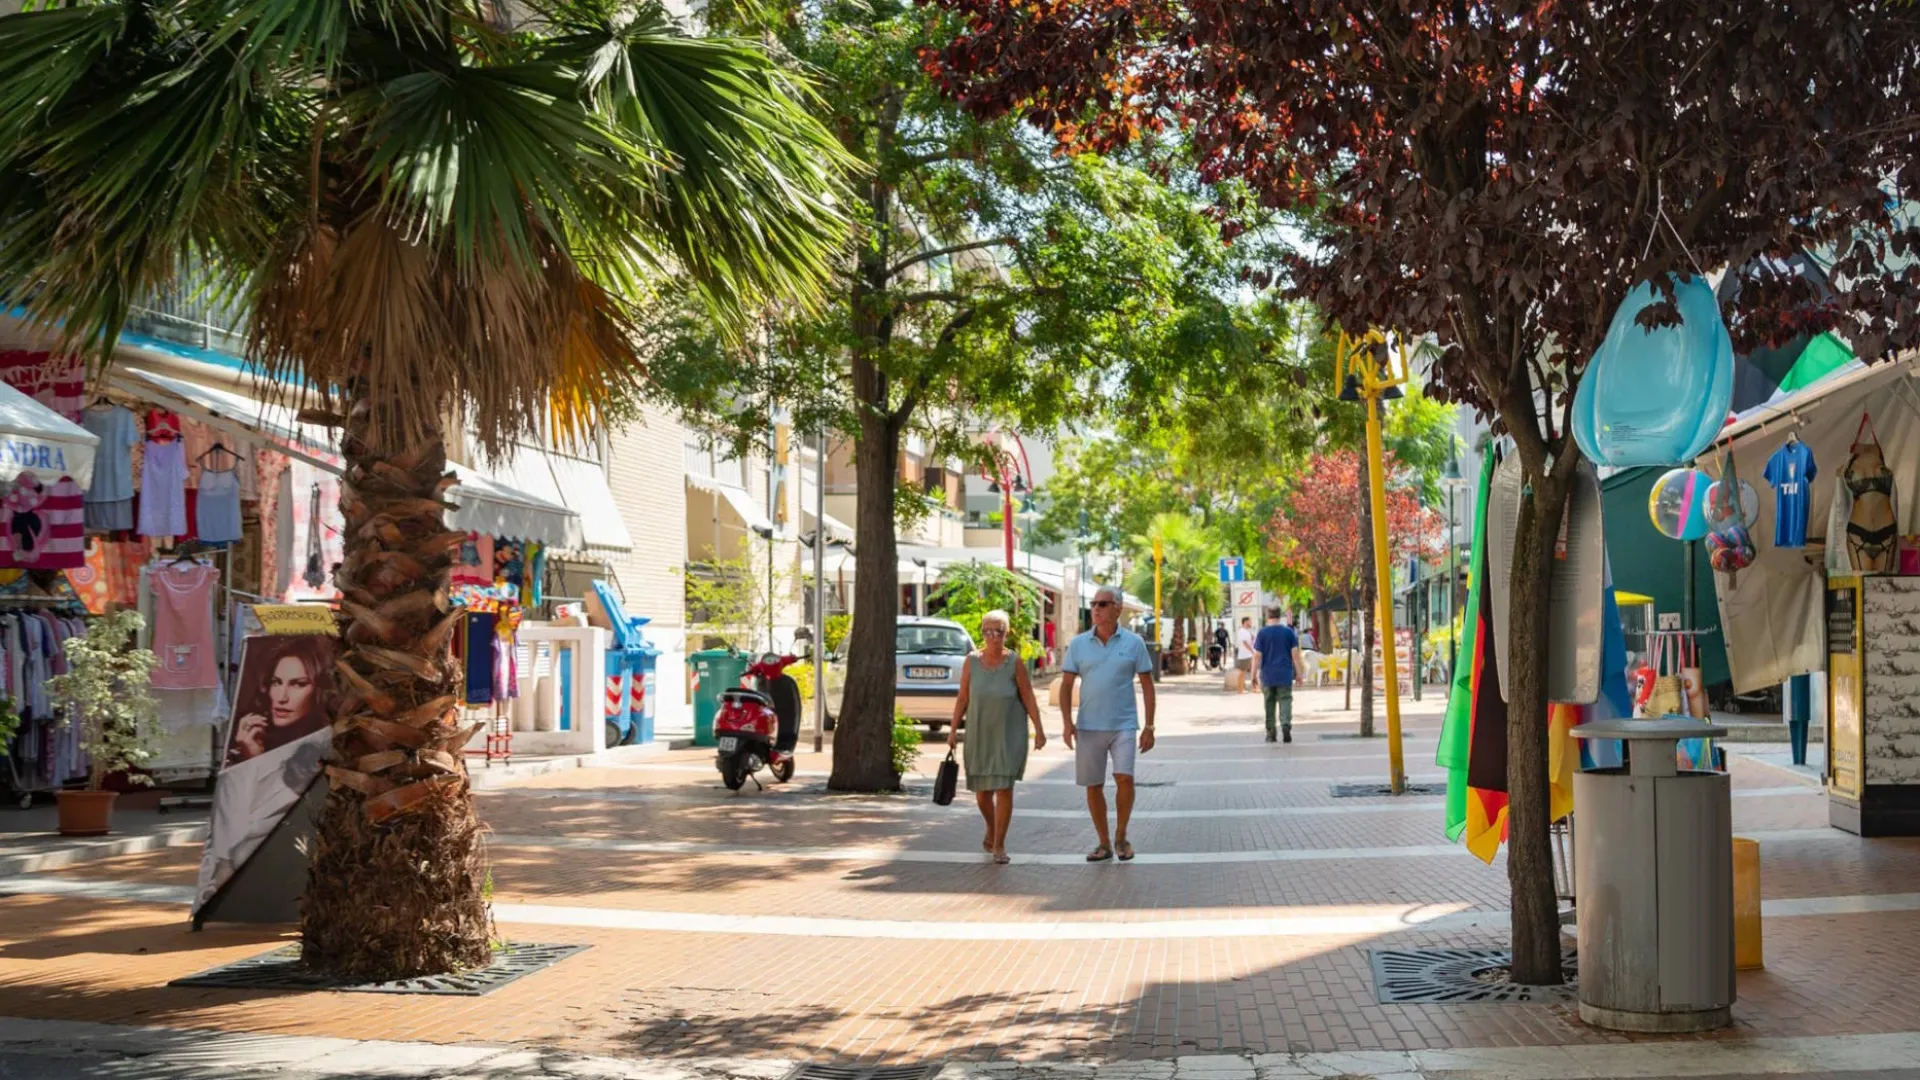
(1487, 736)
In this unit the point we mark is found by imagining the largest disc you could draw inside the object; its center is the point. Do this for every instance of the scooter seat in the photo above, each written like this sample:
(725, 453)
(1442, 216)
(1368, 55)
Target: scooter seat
(742, 694)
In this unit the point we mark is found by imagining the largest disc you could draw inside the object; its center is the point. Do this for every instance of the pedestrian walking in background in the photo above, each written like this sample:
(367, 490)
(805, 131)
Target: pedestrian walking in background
(1243, 654)
(996, 704)
(1109, 660)
(1278, 650)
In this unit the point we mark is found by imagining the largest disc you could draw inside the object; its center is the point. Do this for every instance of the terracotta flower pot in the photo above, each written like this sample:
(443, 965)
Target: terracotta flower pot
(86, 813)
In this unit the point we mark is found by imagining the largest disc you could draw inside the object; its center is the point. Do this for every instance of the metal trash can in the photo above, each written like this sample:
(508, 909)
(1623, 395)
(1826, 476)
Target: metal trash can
(1653, 853)
(714, 670)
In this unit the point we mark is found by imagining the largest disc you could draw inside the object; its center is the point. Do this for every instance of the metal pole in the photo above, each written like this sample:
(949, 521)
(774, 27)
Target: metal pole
(1383, 577)
(1453, 582)
(820, 590)
(1349, 684)
(1006, 516)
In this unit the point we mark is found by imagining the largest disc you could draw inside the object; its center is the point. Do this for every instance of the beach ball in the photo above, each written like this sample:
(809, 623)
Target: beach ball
(1724, 511)
(1678, 504)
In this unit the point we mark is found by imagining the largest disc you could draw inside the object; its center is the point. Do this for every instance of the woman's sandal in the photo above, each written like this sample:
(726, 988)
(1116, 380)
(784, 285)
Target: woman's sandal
(1100, 854)
(1126, 851)
(1002, 859)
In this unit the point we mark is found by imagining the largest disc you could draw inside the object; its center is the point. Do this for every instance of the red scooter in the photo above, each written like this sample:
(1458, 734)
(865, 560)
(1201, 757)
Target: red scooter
(758, 724)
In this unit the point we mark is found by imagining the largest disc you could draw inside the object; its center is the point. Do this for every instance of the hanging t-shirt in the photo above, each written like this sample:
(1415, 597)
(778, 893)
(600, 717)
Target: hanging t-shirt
(113, 462)
(473, 561)
(63, 510)
(183, 626)
(1791, 471)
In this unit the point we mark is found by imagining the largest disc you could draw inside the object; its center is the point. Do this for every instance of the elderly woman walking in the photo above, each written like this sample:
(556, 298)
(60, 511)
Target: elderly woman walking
(996, 696)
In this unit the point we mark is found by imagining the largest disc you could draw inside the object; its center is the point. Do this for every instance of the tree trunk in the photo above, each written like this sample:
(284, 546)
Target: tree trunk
(395, 887)
(1369, 603)
(863, 739)
(1535, 906)
(1179, 647)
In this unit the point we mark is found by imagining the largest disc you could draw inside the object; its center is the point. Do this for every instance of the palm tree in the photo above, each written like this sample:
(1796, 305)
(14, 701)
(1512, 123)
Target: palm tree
(434, 210)
(1189, 574)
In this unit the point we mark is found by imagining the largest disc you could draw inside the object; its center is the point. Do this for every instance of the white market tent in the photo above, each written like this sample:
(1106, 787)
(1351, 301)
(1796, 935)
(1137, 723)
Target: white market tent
(34, 438)
(1772, 613)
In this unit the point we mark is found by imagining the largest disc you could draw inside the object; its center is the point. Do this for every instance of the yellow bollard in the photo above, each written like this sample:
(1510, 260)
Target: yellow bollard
(1747, 953)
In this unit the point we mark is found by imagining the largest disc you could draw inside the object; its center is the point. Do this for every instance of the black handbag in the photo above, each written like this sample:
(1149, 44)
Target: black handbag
(946, 782)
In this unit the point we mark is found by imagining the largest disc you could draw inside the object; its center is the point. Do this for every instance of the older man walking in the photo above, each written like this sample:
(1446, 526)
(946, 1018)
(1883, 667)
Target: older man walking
(1108, 660)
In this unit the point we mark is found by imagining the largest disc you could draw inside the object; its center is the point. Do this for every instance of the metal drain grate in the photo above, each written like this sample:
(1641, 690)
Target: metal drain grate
(1459, 977)
(281, 970)
(863, 1072)
(1372, 791)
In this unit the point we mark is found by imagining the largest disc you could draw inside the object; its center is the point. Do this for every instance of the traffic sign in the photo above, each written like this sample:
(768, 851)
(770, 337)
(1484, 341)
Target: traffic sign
(1233, 568)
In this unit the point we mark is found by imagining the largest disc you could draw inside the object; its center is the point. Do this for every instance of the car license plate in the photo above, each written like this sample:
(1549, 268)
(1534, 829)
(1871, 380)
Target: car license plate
(728, 743)
(926, 673)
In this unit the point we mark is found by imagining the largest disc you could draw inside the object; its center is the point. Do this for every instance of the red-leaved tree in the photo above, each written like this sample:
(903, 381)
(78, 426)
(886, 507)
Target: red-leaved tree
(1324, 530)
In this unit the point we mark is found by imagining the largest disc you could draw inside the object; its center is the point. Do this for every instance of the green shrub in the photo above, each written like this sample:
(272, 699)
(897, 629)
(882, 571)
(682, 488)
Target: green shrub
(906, 743)
(836, 630)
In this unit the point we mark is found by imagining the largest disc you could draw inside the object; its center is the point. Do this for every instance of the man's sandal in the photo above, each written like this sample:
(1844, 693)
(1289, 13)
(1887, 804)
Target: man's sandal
(1100, 854)
(1126, 851)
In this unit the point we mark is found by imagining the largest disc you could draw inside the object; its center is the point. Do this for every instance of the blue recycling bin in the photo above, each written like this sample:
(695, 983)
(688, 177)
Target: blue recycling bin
(632, 685)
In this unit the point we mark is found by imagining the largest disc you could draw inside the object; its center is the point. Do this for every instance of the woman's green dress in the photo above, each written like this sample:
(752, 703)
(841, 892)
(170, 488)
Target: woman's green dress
(996, 726)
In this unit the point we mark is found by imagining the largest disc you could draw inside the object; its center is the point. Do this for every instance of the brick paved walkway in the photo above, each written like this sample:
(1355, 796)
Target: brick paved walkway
(892, 939)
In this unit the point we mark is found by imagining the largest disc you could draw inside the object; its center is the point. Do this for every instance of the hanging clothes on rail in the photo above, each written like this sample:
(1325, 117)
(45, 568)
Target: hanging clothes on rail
(109, 501)
(183, 625)
(163, 477)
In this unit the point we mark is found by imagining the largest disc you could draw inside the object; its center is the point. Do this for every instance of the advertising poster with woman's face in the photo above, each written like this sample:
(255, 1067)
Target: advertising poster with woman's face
(277, 743)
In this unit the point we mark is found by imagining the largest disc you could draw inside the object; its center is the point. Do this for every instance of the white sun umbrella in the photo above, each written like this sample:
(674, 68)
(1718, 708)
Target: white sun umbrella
(34, 438)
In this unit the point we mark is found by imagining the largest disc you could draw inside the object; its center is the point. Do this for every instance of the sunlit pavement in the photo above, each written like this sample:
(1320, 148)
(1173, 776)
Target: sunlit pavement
(790, 925)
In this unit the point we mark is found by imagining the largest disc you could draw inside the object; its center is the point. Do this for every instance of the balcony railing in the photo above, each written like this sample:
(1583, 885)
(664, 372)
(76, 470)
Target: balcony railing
(707, 461)
(186, 315)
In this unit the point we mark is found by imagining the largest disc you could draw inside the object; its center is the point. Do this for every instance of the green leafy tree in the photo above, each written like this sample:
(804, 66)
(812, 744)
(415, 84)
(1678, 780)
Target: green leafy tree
(430, 208)
(990, 283)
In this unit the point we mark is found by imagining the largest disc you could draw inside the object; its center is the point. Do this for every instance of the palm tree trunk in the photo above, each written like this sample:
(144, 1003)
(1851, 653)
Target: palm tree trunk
(395, 887)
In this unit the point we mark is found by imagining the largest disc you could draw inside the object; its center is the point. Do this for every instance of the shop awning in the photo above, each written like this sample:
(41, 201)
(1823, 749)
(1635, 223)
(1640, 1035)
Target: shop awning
(577, 484)
(487, 504)
(34, 438)
(743, 505)
(495, 509)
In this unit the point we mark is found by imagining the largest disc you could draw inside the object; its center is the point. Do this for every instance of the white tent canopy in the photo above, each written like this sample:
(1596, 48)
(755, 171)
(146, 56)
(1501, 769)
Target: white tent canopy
(34, 438)
(1772, 613)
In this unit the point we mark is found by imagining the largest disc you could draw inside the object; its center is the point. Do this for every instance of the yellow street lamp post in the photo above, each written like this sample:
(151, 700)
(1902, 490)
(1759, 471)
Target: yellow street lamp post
(1363, 370)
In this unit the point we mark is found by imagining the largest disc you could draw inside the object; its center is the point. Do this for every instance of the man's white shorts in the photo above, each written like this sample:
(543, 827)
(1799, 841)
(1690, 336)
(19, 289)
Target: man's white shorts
(1093, 749)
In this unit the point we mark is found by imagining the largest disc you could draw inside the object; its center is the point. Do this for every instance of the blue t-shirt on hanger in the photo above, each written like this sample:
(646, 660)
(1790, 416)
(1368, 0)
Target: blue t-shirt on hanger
(1791, 471)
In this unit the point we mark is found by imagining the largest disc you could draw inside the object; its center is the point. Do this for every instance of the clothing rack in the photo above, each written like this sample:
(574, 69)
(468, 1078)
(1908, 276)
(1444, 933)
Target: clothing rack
(24, 784)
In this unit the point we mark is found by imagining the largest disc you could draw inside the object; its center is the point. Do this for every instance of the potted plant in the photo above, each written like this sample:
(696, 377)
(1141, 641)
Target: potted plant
(106, 693)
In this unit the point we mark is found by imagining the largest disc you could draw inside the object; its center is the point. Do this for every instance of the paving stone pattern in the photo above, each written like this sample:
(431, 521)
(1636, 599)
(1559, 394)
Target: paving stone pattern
(1121, 998)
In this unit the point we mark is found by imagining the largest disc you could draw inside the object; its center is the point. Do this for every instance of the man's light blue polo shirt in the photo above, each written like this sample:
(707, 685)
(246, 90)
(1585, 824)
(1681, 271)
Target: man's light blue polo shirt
(1107, 671)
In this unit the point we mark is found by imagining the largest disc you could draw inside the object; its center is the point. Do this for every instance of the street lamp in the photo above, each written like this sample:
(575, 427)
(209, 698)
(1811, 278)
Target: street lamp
(1005, 480)
(1363, 369)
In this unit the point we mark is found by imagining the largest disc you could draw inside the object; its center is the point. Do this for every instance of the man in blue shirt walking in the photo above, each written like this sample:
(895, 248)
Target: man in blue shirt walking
(1108, 660)
(1276, 652)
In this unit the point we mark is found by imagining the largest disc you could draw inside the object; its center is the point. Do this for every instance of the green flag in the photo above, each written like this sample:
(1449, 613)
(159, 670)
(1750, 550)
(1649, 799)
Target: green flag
(1458, 726)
